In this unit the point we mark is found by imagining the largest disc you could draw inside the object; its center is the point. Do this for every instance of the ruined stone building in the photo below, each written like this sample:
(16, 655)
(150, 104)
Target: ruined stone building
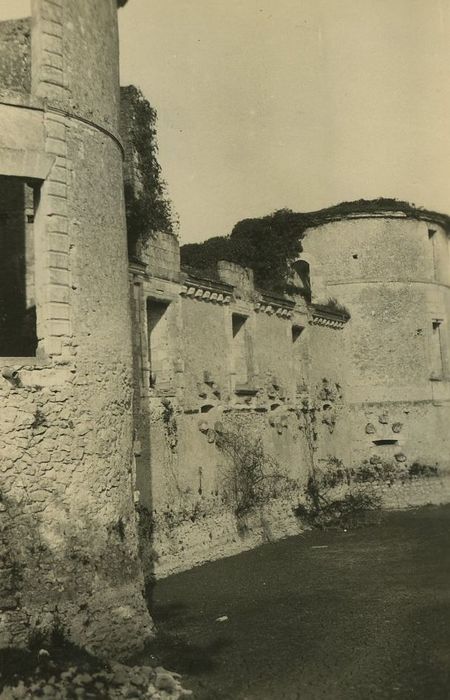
(68, 537)
(154, 417)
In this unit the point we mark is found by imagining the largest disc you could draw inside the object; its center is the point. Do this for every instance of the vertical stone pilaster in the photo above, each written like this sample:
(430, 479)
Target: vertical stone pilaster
(48, 62)
(57, 308)
(49, 83)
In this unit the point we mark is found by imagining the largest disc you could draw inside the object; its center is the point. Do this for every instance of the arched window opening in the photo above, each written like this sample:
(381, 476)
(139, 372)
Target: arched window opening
(302, 269)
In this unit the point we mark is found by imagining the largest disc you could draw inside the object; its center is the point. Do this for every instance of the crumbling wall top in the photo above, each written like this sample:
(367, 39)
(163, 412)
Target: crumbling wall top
(374, 208)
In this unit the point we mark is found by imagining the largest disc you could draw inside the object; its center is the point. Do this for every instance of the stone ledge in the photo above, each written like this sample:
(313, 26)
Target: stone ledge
(274, 308)
(319, 320)
(321, 316)
(205, 292)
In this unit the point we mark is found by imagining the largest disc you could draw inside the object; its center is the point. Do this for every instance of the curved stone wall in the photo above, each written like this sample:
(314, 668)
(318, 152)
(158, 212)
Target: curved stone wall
(67, 476)
(392, 273)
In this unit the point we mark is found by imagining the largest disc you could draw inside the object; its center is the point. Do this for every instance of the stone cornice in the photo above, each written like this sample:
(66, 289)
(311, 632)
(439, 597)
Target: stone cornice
(330, 319)
(205, 290)
(274, 305)
(271, 308)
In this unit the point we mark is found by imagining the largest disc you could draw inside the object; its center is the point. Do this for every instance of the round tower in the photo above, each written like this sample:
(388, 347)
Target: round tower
(391, 270)
(67, 481)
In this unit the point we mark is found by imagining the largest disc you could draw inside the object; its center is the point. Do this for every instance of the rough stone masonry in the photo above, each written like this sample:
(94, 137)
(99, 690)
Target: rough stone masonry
(154, 416)
(68, 555)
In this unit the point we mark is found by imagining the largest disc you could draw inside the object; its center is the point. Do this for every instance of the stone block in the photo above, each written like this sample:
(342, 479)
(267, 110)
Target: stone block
(60, 328)
(58, 311)
(56, 205)
(58, 243)
(59, 276)
(56, 146)
(52, 26)
(55, 129)
(57, 224)
(58, 174)
(59, 261)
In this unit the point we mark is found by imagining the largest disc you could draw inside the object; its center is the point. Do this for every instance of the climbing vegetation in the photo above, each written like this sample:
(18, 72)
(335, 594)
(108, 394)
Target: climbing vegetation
(334, 498)
(253, 477)
(270, 244)
(148, 208)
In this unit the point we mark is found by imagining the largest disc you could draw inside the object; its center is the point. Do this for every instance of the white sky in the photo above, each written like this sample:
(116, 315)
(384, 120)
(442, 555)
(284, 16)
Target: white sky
(266, 104)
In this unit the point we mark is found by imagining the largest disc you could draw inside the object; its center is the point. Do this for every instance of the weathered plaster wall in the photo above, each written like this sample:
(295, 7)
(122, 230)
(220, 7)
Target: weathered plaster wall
(68, 520)
(75, 67)
(15, 56)
(239, 395)
(392, 274)
(185, 473)
(390, 288)
(164, 257)
(206, 349)
(319, 391)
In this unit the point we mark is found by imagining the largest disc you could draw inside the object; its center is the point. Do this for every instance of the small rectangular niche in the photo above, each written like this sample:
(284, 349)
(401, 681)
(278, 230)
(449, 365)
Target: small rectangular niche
(18, 331)
(385, 441)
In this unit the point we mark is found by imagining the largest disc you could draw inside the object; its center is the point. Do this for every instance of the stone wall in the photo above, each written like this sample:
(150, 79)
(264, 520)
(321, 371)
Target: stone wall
(207, 418)
(392, 273)
(318, 389)
(15, 56)
(239, 395)
(69, 539)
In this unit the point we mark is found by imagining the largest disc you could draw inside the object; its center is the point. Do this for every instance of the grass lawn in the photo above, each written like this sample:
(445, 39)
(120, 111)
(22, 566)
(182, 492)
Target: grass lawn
(328, 614)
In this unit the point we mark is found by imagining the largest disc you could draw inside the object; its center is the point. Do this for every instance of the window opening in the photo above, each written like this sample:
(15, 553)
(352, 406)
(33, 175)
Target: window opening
(240, 352)
(159, 355)
(432, 238)
(18, 334)
(436, 348)
(302, 269)
(296, 333)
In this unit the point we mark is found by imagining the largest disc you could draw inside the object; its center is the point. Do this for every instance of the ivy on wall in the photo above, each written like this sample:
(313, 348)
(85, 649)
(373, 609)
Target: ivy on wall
(271, 243)
(148, 208)
(267, 245)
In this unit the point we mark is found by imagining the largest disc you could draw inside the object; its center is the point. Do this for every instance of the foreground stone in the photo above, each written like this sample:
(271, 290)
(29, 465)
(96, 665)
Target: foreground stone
(88, 680)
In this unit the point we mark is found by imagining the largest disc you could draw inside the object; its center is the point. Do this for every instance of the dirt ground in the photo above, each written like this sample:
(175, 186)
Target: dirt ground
(329, 614)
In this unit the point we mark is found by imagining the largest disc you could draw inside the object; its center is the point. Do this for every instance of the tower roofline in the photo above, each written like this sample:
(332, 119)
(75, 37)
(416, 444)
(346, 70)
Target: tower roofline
(375, 208)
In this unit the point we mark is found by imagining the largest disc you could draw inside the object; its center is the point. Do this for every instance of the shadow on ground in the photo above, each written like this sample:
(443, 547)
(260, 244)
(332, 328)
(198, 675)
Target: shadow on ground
(329, 614)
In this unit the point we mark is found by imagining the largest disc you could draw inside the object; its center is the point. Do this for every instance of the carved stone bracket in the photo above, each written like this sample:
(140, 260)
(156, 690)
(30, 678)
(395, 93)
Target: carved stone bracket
(282, 309)
(320, 318)
(204, 292)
